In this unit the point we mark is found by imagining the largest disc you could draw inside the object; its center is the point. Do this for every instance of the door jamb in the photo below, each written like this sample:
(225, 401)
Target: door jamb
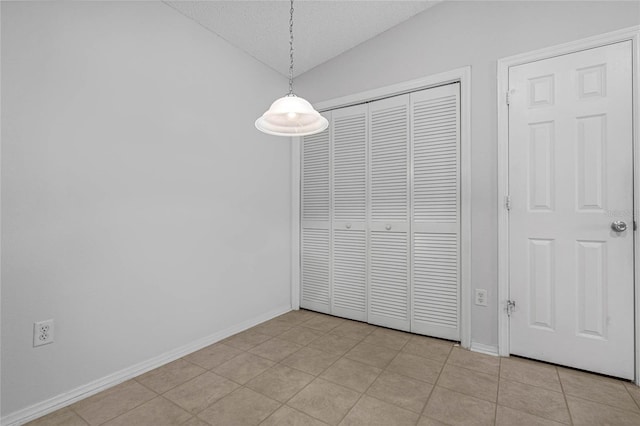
(461, 75)
(626, 34)
(294, 216)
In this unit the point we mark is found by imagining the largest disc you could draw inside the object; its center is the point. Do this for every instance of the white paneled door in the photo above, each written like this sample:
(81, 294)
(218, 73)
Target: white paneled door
(571, 218)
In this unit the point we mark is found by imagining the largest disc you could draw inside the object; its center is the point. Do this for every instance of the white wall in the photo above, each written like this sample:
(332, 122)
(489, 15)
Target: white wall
(455, 34)
(140, 207)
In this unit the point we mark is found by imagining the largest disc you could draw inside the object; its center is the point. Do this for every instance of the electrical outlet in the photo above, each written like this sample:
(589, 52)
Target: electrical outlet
(42, 333)
(481, 297)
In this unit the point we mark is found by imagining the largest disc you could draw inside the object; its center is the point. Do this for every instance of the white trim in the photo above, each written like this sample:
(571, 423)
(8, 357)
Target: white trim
(295, 222)
(626, 34)
(484, 349)
(636, 188)
(465, 206)
(45, 407)
(462, 75)
(395, 89)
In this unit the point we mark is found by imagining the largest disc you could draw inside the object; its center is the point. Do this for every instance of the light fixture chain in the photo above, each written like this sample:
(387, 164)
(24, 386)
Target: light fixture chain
(291, 50)
(291, 115)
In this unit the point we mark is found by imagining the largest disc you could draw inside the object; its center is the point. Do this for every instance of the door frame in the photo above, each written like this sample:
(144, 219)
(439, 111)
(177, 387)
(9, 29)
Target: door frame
(626, 34)
(459, 75)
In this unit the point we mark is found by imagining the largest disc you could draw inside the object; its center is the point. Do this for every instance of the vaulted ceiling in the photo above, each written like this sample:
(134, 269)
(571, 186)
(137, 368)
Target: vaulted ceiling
(322, 29)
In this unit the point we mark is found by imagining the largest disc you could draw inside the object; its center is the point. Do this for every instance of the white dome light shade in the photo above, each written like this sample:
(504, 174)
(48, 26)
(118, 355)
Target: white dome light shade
(291, 116)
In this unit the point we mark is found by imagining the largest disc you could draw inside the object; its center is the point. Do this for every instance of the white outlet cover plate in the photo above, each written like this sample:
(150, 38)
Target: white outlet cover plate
(481, 297)
(43, 332)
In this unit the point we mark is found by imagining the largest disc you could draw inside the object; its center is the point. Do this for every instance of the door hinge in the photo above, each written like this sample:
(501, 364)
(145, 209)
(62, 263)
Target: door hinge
(635, 226)
(511, 307)
(508, 97)
(507, 202)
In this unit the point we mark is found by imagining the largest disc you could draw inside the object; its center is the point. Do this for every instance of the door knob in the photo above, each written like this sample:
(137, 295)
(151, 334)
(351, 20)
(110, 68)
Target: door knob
(619, 226)
(388, 227)
(348, 226)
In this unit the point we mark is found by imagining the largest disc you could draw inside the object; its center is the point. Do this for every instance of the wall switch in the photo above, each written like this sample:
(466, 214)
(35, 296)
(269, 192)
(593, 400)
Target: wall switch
(481, 297)
(42, 332)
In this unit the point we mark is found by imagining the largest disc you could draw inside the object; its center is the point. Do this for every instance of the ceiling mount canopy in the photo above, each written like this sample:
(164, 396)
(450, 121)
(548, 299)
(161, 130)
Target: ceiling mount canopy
(291, 115)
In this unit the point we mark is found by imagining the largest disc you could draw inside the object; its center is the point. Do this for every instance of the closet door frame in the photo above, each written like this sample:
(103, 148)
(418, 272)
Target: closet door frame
(460, 75)
(626, 34)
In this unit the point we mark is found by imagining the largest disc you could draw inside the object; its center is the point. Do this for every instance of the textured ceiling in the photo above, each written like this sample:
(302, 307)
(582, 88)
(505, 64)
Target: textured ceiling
(322, 29)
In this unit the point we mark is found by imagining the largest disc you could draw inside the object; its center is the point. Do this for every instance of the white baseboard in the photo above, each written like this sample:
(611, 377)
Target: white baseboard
(45, 407)
(484, 349)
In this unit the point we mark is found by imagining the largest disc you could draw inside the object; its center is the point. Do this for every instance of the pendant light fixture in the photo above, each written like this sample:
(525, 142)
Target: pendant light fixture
(291, 115)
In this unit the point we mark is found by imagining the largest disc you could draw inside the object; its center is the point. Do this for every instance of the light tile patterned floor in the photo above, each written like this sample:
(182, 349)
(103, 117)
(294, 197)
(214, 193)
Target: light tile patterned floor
(305, 368)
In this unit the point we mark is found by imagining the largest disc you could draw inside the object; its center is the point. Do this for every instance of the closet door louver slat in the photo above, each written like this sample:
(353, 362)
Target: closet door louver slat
(315, 234)
(389, 213)
(349, 136)
(436, 206)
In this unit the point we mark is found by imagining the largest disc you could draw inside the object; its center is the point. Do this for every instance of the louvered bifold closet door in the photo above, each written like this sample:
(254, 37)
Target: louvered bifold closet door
(435, 118)
(389, 213)
(349, 136)
(315, 234)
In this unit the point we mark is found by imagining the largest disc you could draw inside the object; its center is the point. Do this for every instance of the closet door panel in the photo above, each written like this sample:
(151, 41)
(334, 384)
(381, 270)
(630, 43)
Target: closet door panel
(389, 243)
(349, 254)
(315, 234)
(349, 127)
(315, 269)
(349, 274)
(436, 211)
(436, 289)
(389, 145)
(389, 279)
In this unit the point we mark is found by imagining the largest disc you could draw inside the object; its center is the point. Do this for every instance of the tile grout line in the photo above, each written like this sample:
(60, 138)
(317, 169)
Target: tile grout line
(179, 384)
(581, 398)
(343, 356)
(212, 368)
(78, 414)
(240, 385)
(156, 394)
(161, 394)
(330, 331)
(365, 391)
(629, 392)
(463, 367)
(128, 411)
(314, 376)
(546, 390)
(275, 400)
(282, 404)
(530, 384)
(435, 384)
(279, 363)
(564, 395)
(615, 407)
(495, 413)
